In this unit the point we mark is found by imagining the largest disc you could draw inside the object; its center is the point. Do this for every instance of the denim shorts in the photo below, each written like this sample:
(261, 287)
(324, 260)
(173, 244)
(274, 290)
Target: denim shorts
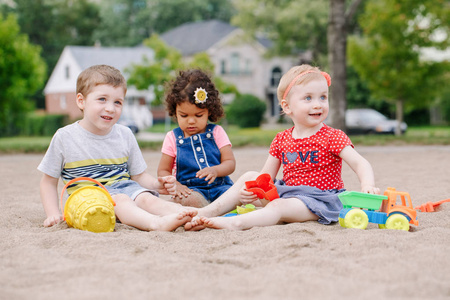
(128, 187)
(325, 204)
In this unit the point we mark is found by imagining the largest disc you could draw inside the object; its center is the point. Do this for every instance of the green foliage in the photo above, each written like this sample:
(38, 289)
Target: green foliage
(42, 125)
(358, 94)
(167, 62)
(24, 144)
(293, 25)
(156, 74)
(169, 14)
(123, 22)
(387, 56)
(129, 22)
(246, 111)
(52, 25)
(443, 102)
(55, 24)
(22, 72)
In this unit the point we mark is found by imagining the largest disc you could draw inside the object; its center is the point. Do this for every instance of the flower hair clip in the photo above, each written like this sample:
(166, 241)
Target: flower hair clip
(200, 95)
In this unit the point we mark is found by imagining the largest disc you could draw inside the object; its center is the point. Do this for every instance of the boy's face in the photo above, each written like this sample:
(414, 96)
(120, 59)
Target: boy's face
(191, 119)
(307, 104)
(102, 108)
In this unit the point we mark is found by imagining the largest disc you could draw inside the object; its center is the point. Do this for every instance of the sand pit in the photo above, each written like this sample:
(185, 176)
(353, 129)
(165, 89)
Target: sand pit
(291, 261)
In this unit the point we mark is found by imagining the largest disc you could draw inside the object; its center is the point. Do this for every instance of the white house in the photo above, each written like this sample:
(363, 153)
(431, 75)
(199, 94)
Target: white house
(60, 91)
(238, 59)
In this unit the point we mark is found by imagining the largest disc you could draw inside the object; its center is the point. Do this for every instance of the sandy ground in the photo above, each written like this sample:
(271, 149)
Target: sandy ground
(291, 261)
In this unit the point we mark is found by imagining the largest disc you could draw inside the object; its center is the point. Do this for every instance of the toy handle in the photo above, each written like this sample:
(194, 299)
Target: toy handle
(80, 179)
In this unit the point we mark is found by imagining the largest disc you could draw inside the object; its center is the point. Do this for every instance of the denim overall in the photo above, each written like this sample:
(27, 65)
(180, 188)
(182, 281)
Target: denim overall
(195, 153)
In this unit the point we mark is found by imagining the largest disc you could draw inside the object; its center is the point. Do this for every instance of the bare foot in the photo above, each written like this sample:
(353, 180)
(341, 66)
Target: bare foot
(195, 224)
(173, 221)
(221, 223)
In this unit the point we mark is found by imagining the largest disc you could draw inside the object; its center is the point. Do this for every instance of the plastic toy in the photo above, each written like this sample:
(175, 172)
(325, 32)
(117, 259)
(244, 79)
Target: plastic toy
(241, 210)
(89, 208)
(263, 187)
(429, 206)
(393, 210)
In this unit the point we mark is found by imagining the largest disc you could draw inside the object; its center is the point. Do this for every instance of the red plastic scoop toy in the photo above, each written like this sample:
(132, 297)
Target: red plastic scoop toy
(263, 187)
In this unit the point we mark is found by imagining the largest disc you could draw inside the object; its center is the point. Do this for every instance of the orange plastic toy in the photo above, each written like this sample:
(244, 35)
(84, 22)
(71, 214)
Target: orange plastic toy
(263, 187)
(429, 206)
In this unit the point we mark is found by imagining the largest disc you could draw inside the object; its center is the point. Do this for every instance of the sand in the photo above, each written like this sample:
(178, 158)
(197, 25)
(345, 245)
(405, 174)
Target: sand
(293, 261)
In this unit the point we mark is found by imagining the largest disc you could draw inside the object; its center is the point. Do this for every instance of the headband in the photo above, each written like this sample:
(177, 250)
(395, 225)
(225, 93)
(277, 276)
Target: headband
(325, 74)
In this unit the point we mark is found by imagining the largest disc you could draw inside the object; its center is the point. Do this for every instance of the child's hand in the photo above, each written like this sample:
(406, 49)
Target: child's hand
(182, 191)
(247, 197)
(168, 185)
(53, 220)
(370, 189)
(209, 173)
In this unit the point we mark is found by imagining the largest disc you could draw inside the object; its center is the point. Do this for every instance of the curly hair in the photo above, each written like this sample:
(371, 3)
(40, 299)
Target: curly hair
(182, 89)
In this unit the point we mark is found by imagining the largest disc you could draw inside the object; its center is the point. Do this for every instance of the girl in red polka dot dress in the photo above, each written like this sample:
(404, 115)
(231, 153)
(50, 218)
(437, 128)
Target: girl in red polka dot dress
(310, 154)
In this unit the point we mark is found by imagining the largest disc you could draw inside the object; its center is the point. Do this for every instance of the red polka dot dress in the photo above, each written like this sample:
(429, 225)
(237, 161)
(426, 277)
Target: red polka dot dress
(312, 161)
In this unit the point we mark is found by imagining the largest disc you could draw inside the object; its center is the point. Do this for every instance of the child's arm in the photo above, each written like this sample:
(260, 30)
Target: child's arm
(165, 169)
(162, 184)
(226, 167)
(49, 198)
(362, 168)
(271, 167)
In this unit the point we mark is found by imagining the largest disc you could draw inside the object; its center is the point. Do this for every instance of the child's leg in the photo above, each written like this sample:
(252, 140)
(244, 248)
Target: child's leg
(225, 203)
(158, 206)
(279, 210)
(195, 199)
(228, 200)
(129, 213)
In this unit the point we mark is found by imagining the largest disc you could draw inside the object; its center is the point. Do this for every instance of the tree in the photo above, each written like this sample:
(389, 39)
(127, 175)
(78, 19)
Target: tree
(53, 24)
(22, 72)
(129, 22)
(123, 22)
(338, 30)
(167, 61)
(388, 55)
(169, 14)
(294, 25)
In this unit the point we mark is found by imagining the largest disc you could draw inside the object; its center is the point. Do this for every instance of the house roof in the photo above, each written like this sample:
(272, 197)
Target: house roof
(118, 57)
(191, 38)
(75, 59)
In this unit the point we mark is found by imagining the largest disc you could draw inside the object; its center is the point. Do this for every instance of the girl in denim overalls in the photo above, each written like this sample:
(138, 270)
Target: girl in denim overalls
(198, 153)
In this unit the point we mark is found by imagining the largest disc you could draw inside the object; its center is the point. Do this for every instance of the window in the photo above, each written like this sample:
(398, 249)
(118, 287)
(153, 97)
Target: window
(67, 72)
(223, 69)
(234, 64)
(276, 76)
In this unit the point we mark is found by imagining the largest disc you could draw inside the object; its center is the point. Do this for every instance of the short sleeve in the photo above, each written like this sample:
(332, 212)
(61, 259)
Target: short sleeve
(274, 149)
(338, 141)
(221, 137)
(169, 146)
(53, 161)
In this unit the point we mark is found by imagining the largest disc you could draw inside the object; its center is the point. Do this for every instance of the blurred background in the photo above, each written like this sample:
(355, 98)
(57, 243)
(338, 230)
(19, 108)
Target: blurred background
(386, 56)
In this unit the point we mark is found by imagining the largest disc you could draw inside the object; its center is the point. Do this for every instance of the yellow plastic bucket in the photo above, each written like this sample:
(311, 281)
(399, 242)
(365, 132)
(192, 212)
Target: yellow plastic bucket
(89, 208)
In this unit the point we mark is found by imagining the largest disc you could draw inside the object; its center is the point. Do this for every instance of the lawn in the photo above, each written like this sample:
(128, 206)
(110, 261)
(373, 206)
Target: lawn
(240, 137)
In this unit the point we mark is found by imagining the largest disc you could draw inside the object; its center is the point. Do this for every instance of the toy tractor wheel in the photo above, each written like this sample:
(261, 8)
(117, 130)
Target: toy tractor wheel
(382, 226)
(397, 221)
(342, 222)
(356, 218)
